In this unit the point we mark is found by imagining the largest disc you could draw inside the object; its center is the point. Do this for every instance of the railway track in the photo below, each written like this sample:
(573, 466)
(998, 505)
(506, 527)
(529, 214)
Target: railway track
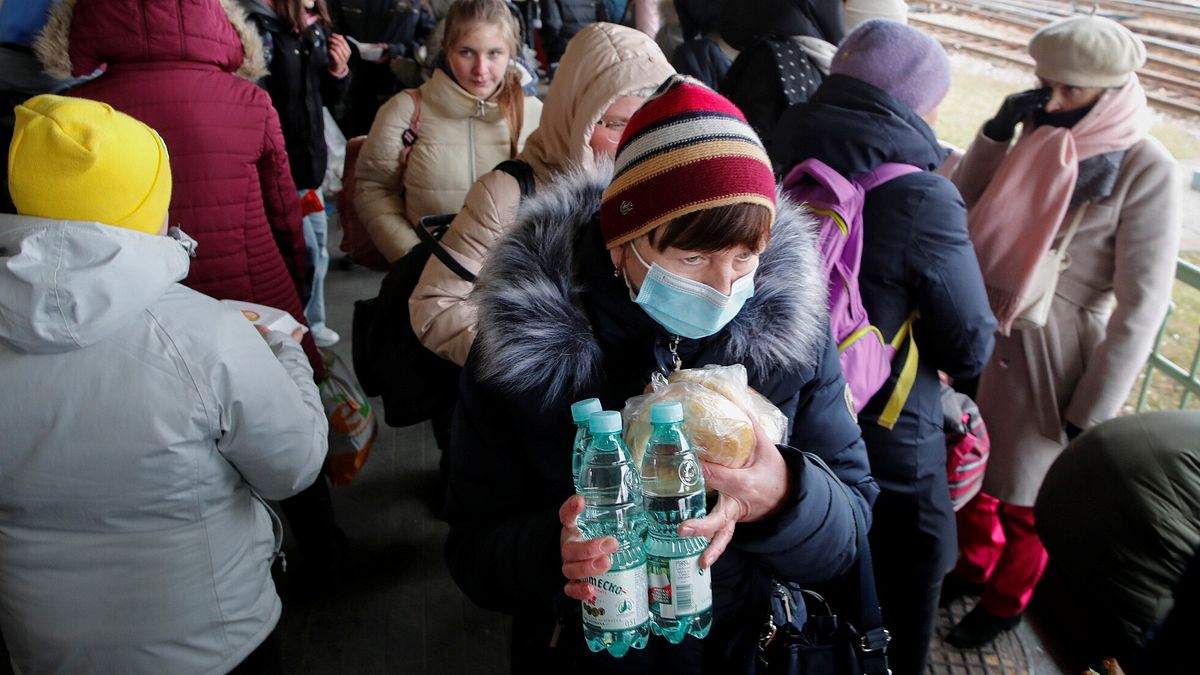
(1171, 75)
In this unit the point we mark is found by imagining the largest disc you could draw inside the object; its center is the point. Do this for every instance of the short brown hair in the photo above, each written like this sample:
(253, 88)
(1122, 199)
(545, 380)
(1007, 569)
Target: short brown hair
(716, 229)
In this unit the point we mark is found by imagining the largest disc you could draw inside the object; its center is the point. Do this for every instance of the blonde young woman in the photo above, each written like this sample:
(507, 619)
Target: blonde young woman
(473, 116)
(605, 74)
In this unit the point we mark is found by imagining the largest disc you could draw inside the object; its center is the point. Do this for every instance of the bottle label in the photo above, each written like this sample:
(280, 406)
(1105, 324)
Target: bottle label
(678, 586)
(620, 602)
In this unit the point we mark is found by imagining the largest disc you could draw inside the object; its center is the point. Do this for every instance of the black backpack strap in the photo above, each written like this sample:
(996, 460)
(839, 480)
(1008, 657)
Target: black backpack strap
(522, 172)
(430, 229)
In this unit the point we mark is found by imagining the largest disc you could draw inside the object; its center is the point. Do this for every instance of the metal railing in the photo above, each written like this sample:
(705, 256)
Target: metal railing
(1188, 274)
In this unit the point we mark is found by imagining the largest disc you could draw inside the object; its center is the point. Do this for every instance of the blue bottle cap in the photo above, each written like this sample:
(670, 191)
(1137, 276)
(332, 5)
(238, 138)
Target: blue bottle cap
(666, 413)
(605, 422)
(581, 411)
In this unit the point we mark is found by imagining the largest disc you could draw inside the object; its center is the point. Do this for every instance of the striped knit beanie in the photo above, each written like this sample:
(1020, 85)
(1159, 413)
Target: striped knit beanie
(685, 150)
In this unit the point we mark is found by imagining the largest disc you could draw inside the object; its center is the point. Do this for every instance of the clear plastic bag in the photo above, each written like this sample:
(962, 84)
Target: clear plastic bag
(717, 404)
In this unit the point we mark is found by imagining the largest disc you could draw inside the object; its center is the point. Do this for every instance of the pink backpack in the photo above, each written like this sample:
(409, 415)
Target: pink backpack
(865, 355)
(967, 446)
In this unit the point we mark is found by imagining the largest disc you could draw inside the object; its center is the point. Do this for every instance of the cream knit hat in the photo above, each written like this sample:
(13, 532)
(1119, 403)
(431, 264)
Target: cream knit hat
(1086, 51)
(855, 12)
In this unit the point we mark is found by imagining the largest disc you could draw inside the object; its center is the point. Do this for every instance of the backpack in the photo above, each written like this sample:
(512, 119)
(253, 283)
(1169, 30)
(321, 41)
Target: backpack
(356, 242)
(967, 446)
(388, 358)
(866, 356)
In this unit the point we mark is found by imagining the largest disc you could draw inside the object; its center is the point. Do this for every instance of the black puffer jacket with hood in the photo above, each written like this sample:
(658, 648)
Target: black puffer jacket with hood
(556, 326)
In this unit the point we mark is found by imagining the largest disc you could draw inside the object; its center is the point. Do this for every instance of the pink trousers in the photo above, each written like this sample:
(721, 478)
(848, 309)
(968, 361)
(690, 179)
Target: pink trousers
(999, 548)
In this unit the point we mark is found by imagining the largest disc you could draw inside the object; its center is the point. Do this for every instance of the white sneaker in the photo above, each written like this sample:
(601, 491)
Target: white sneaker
(325, 336)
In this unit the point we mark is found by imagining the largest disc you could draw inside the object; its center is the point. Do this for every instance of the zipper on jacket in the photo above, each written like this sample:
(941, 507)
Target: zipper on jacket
(673, 347)
(471, 148)
(277, 531)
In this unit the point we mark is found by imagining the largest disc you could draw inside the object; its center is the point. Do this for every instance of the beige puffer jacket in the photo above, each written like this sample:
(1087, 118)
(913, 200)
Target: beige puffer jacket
(462, 136)
(602, 62)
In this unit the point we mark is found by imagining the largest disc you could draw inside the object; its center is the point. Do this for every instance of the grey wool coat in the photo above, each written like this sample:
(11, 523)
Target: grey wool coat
(1080, 367)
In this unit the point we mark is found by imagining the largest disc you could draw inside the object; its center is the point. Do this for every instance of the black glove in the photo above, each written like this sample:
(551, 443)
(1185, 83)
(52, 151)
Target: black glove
(1015, 108)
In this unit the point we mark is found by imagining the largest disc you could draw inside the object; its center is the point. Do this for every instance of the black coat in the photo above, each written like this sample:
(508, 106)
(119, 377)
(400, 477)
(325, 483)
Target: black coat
(702, 59)
(556, 326)
(300, 85)
(916, 255)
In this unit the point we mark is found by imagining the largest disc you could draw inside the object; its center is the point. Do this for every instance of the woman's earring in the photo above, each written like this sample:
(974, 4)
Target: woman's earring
(616, 272)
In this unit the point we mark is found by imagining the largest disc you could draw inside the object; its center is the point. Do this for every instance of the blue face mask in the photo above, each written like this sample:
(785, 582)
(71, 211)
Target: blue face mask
(685, 307)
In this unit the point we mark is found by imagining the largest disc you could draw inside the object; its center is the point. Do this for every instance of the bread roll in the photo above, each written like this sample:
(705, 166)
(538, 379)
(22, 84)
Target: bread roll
(720, 430)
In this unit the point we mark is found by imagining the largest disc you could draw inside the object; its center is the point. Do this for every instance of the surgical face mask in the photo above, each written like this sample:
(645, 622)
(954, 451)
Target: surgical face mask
(688, 308)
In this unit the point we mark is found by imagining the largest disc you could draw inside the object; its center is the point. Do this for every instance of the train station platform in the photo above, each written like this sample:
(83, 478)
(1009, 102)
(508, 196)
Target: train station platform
(395, 610)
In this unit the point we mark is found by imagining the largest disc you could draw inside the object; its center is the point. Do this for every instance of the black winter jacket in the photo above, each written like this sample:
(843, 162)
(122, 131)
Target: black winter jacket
(916, 255)
(300, 85)
(556, 326)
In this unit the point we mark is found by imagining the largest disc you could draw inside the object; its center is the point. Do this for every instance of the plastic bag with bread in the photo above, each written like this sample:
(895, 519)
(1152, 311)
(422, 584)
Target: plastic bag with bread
(717, 404)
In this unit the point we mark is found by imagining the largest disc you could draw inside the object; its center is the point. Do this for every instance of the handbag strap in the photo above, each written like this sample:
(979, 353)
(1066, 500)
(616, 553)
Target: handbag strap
(1072, 229)
(873, 639)
(426, 229)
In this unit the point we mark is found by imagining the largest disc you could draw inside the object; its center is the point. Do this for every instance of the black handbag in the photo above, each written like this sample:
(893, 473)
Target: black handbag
(389, 360)
(803, 635)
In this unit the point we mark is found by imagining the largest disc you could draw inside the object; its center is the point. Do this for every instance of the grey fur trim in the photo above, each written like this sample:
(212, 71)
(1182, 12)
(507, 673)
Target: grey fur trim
(534, 337)
(53, 44)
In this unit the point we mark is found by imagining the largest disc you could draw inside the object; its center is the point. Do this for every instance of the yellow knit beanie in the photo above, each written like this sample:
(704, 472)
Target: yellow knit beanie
(76, 159)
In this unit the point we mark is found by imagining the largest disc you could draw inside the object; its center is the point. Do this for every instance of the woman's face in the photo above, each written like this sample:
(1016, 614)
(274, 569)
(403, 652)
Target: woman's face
(1066, 98)
(611, 125)
(479, 59)
(716, 270)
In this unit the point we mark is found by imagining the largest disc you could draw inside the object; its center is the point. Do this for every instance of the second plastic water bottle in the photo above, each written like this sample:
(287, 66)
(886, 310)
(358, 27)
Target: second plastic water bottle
(680, 592)
(618, 617)
(581, 415)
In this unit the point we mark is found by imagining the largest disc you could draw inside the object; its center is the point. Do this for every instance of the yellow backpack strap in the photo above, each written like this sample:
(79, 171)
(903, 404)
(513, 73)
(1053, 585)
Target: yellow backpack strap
(908, 373)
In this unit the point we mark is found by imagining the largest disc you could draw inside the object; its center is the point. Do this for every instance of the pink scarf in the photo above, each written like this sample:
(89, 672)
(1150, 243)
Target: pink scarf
(1015, 221)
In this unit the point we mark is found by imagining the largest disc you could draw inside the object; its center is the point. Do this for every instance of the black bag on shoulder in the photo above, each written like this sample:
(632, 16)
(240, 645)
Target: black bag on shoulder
(766, 78)
(803, 635)
(389, 360)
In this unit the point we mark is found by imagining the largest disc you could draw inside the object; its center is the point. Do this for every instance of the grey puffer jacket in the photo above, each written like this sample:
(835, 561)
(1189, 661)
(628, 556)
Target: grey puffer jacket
(144, 424)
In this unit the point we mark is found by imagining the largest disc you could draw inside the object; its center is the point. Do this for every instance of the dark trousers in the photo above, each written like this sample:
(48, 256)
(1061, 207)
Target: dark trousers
(909, 548)
(265, 660)
(310, 515)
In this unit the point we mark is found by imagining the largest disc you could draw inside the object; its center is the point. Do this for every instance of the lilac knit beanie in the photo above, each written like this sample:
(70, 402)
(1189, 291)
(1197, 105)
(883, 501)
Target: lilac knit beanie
(899, 59)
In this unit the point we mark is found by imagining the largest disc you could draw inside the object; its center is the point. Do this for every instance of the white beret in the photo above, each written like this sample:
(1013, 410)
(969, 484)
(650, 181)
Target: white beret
(855, 12)
(1086, 51)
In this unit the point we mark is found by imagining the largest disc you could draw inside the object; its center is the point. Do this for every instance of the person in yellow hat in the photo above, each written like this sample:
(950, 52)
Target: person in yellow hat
(141, 419)
(75, 159)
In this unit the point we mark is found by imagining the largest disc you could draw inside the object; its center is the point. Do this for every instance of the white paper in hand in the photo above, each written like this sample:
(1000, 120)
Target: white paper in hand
(268, 317)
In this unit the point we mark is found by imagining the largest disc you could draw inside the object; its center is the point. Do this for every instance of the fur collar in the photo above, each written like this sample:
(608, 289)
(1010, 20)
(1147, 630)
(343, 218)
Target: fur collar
(534, 337)
(53, 45)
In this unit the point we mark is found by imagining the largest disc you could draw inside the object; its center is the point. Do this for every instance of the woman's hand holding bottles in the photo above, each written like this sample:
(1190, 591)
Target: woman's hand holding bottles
(752, 492)
(582, 558)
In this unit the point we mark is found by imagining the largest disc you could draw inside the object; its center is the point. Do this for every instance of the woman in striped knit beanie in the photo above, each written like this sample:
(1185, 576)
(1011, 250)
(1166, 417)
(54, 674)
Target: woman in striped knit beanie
(686, 256)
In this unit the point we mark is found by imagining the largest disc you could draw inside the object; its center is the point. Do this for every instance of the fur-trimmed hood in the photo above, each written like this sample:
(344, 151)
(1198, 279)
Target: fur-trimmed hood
(147, 31)
(534, 335)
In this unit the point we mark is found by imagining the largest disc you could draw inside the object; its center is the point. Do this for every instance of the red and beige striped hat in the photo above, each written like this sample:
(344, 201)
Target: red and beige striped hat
(686, 149)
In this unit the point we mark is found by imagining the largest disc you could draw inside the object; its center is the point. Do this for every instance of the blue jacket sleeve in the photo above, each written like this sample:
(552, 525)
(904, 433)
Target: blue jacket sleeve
(812, 538)
(956, 331)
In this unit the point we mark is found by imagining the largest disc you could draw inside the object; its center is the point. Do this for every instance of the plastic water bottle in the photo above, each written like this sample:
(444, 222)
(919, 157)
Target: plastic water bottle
(618, 618)
(581, 414)
(673, 489)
